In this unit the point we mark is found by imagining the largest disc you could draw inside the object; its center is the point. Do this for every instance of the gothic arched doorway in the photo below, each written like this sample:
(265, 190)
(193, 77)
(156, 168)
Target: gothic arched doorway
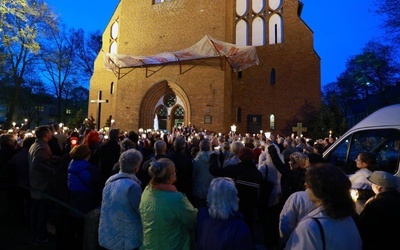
(169, 102)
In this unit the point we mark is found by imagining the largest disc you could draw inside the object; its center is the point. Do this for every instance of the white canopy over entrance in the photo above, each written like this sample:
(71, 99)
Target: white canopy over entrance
(238, 57)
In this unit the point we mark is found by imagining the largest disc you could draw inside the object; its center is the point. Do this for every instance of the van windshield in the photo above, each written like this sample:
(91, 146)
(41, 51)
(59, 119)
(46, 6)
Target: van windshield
(384, 143)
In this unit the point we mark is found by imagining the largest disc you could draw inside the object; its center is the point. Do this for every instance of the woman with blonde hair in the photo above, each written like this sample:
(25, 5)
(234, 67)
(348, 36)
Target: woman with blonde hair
(168, 218)
(293, 181)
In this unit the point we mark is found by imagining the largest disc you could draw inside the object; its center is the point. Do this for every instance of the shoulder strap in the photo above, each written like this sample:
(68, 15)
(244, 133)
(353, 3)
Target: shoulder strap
(321, 230)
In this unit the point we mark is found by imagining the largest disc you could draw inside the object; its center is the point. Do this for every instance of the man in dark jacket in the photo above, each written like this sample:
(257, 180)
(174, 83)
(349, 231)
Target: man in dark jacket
(183, 166)
(108, 154)
(160, 149)
(381, 213)
(41, 173)
(247, 179)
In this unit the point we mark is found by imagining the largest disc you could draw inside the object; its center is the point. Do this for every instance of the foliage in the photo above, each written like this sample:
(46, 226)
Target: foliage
(58, 56)
(91, 122)
(87, 50)
(22, 23)
(32, 40)
(391, 9)
(367, 73)
(77, 120)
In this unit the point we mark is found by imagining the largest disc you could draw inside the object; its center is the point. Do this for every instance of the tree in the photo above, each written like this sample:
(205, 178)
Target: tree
(68, 60)
(79, 97)
(59, 67)
(369, 72)
(32, 96)
(77, 100)
(87, 50)
(77, 120)
(22, 23)
(391, 9)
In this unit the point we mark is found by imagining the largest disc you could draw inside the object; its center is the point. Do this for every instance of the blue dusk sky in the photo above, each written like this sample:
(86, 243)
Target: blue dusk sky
(341, 28)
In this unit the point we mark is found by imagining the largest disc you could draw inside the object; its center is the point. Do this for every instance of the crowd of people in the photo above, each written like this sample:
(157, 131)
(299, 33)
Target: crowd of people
(193, 190)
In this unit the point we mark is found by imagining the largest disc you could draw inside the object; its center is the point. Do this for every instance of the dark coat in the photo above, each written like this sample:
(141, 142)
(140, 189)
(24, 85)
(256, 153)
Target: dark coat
(107, 155)
(6, 169)
(231, 233)
(184, 172)
(143, 173)
(247, 179)
(379, 220)
(55, 146)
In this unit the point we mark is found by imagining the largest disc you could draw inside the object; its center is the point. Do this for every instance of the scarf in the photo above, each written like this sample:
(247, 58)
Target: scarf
(165, 187)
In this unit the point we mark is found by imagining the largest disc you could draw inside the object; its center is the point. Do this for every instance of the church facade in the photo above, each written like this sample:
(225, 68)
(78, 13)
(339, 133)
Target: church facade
(207, 92)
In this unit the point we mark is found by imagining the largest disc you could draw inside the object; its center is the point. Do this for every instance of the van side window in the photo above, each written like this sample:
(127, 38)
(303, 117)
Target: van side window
(384, 143)
(339, 155)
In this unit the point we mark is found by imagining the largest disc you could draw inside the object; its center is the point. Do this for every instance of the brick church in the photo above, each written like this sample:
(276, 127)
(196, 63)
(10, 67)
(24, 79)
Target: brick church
(143, 73)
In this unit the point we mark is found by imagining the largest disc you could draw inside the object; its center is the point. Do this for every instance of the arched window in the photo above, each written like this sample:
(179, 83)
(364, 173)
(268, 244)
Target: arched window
(258, 34)
(241, 33)
(272, 122)
(162, 115)
(275, 29)
(254, 18)
(275, 4)
(113, 48)
(258, 6)
(114, 37)
(179, 112)
(114, 30)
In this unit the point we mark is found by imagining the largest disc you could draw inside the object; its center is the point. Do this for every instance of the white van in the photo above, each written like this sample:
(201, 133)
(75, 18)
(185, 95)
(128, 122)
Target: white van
(378, 133)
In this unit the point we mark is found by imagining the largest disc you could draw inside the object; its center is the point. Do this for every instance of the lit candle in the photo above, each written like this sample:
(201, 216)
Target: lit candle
(354, 194)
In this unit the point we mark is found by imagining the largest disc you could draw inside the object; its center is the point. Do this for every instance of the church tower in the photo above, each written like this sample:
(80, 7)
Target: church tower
(207, 92)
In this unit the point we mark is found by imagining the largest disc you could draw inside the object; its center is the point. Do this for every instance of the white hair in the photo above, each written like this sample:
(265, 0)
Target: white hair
(130, 160)
(222, 198)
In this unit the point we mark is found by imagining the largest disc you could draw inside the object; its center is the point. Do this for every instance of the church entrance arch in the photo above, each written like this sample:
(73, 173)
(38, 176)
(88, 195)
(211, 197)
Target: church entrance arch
(168, 102)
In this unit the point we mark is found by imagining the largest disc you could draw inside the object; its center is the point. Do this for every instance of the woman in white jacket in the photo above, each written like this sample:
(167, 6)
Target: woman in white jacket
(330, 225)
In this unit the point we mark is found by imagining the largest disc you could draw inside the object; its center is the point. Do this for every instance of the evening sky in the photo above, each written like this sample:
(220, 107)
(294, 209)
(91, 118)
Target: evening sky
(341, 28)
